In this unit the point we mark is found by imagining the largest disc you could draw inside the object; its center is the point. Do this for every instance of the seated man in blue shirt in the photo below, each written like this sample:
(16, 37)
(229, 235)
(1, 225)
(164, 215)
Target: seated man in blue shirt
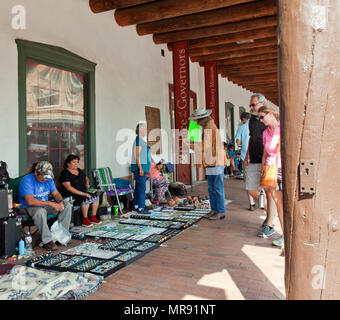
(34, 190)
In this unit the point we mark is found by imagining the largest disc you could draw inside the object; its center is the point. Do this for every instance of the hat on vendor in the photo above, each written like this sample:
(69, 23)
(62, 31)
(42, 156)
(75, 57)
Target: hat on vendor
(200, 114)
(45, 169)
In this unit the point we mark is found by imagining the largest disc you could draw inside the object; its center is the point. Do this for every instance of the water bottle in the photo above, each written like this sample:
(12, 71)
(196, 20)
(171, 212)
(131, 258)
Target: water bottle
(21, 247)
(28, 244)
(261, 199)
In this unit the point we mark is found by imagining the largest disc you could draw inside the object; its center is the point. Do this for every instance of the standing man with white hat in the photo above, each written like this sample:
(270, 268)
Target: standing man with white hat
(210, 154)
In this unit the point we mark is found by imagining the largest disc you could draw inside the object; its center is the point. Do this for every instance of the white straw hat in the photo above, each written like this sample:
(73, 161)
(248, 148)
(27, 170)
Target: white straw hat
(200, 113)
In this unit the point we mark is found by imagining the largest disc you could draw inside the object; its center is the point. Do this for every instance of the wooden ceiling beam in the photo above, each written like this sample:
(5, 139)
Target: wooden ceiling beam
(98, 6)
(251, 73)
(234, 37)
(245, 60)
(167, 9)
(262, 89)
(259, 77)
(255, 87)
(259, 43)
(248, 65)
(215, 30)
(252, 10)
(235, 54)
(247, 69)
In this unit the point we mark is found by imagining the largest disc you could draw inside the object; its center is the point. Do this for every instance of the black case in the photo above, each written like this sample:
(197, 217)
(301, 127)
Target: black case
(5, 196)
(10, 234)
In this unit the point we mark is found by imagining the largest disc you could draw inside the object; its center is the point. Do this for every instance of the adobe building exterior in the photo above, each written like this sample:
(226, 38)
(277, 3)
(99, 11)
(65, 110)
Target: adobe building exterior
(130, 73)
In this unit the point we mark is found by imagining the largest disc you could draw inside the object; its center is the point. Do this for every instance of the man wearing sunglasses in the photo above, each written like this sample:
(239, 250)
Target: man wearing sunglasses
(253, 158)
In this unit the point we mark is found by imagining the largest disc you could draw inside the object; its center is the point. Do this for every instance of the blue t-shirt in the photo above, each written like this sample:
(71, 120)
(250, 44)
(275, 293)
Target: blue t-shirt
(30, 186)
(243, 135)
(231, 154)
(144, 156)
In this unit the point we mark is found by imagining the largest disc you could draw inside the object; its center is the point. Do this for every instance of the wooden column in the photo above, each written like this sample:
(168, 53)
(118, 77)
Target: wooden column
(182, 110)
(309, 64)
(211, 89)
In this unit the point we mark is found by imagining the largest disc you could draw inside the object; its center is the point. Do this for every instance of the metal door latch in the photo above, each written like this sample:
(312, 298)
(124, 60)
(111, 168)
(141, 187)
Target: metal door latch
(307, 177)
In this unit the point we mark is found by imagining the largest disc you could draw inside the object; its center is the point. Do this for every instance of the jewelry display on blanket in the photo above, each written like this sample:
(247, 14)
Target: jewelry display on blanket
(92, 249)
(171, 232)
(107, 267)
(111, 245)
(121, 241)
(139, 237)
(68, 263)
(127, 245)
(159, 238)
(54, 260)
(118, 235)
(96, 233)
(129, 256)
(179, 225)
(146, 246)
(86, 265)
(32, 262)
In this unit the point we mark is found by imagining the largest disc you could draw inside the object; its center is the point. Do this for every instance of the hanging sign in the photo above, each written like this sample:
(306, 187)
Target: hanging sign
(211, 89)
(182, 110)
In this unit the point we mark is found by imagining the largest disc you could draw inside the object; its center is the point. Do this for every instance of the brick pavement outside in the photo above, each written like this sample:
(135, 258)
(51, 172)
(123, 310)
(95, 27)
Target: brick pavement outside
(220, 260)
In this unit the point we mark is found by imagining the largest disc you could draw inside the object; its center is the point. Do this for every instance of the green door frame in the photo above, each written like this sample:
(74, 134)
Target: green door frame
(59, 58)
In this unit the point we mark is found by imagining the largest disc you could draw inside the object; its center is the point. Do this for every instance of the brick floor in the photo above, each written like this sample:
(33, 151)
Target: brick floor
(212, 260)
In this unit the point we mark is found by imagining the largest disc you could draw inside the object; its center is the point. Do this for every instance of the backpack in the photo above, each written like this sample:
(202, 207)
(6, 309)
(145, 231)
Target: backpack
(4, 176)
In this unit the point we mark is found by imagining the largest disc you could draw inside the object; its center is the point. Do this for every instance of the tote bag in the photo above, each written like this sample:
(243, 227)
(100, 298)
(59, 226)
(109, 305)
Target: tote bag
(269, 173)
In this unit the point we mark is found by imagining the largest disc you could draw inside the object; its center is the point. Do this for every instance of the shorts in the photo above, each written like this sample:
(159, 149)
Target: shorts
(253, 178)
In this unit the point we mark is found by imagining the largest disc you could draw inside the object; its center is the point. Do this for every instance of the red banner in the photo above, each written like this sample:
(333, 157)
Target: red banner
(182, 109)
(211, 89)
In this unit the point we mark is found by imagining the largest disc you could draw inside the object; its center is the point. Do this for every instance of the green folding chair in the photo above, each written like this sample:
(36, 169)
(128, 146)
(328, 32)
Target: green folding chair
(112, 187)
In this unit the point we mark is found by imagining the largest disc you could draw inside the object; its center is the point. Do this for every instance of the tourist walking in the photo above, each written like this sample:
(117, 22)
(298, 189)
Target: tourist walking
(271, 156)
(242, 140)
(253, 160)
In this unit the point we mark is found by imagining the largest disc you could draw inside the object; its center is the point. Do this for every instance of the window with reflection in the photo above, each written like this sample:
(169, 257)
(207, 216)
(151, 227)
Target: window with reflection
(55, 115)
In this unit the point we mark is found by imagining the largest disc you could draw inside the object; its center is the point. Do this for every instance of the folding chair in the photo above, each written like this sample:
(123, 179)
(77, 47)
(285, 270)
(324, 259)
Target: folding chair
(107, 184)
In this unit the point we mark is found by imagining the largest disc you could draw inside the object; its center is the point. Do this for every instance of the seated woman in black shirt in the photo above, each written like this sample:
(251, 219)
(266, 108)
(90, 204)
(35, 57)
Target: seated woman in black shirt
(74, 182)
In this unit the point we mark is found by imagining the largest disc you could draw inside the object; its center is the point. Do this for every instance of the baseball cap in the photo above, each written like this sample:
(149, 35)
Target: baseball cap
(45, 169)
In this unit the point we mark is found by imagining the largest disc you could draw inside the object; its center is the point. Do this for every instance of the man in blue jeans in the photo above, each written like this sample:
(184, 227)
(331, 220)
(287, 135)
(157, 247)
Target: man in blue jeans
(211, 155)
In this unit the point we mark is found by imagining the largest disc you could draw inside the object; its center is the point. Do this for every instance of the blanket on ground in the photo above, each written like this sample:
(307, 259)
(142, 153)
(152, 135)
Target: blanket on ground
(25, 283)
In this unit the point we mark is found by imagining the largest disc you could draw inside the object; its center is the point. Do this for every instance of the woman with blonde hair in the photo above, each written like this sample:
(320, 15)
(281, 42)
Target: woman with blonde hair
(272, 155)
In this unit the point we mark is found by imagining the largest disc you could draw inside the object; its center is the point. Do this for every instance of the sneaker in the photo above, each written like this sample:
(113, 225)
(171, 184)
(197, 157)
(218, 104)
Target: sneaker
(208, 215)
(252, 207)
(143, 211)
(50, 246)
(87, 222)
(279, 242)
(217, 216)
(95, 220)
(266, 232)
